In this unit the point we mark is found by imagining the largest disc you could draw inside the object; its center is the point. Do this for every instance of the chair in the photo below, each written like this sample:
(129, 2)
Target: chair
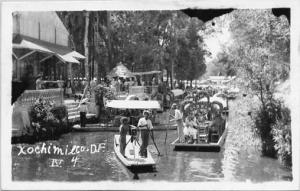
(202, 134)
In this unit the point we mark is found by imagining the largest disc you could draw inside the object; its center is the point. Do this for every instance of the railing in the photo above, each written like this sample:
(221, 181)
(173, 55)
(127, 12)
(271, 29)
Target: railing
(29, 97)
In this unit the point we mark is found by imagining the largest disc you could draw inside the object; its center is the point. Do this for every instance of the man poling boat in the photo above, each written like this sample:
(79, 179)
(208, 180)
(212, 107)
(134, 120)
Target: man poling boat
(146, 127)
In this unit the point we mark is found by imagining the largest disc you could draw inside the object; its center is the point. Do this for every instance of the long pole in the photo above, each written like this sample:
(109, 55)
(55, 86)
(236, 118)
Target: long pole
(167, 128)
(152, 136)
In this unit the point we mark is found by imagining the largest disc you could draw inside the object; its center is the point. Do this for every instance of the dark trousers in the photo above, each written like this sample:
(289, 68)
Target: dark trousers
(82, 119)
(145, 141)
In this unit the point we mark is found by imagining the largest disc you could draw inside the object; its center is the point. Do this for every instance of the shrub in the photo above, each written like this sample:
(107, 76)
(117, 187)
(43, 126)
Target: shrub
(48, 120)
(265, 118)
(281, 132)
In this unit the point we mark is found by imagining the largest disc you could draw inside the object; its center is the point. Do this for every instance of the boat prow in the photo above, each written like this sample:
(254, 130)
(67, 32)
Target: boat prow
(132, 160)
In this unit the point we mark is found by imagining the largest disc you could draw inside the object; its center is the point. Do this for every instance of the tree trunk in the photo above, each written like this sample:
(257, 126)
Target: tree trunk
(86, 45)
(110, 64)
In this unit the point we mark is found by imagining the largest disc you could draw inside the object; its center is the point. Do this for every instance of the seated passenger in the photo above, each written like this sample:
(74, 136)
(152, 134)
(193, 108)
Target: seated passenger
(190, 129)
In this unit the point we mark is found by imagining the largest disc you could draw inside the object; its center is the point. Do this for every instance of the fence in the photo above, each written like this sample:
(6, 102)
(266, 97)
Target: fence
(29, 97)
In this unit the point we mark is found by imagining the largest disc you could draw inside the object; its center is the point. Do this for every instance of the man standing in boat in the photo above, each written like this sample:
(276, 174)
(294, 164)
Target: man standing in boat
(179, 121)
(145, 125)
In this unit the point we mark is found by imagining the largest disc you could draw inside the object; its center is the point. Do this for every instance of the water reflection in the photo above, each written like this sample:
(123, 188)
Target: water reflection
(231, 163)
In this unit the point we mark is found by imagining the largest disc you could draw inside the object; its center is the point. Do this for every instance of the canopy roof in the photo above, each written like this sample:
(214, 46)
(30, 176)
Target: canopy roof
(146, 73)
(133, 104)
(120, 71)
(62, 52)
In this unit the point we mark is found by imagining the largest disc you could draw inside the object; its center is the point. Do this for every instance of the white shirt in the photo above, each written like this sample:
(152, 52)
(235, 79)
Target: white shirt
(145, 124)
(178, 114)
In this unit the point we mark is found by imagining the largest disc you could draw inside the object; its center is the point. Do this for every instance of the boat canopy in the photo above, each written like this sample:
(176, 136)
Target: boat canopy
(133, 104)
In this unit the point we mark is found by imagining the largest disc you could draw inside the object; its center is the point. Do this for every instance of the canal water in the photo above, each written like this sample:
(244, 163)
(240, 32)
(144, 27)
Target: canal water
(233, 162)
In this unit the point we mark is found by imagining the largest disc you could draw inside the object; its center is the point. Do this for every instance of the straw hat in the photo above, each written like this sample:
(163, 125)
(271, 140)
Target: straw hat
(146, 111)
(124, 119)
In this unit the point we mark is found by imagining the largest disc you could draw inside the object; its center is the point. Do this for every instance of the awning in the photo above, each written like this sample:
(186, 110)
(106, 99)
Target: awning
(76, 55)
(64, 53)
(68, 58)
(133, 104)
(29, 45)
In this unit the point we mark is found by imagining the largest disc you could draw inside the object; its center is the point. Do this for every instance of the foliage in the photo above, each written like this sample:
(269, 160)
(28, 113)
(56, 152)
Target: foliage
(273, 124)
(40, 111)
(143, 40)
(259, 53)
(190, 59)
(47, 120)
(224, 64)
(281, 132)
(260, 50)
(102, 92)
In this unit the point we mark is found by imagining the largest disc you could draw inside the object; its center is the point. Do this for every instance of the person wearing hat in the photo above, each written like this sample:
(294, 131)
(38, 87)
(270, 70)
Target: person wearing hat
(145, 125)
(178, 119)
(83, 110)
(39, 82)
(124, 130)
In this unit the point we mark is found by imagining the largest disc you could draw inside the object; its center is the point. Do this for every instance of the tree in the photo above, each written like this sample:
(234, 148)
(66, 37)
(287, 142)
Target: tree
(260, 50)
(260, 53)
(86, 45)
(190, 59)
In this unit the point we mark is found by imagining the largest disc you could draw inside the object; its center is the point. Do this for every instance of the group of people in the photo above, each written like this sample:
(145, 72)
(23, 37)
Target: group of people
(144, 127)
(188, 129)
(122, 84)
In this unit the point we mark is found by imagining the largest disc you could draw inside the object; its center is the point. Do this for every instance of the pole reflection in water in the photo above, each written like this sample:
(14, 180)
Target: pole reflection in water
(231, 163)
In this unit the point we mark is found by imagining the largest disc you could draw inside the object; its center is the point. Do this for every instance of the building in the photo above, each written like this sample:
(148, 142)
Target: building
(41, 46)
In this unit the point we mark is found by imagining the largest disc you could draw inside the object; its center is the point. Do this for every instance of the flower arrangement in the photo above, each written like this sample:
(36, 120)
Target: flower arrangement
(47, 119)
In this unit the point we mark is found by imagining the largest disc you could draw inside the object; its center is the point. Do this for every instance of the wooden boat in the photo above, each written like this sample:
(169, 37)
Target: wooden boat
(203, 146)
(132, 160)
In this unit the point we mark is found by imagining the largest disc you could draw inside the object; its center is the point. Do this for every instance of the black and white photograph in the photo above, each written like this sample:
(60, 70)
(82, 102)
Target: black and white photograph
(98, 95)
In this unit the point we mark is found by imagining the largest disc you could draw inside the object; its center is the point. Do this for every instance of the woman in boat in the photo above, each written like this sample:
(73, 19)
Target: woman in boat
(145, 125)
(179, 121)
(124, 130)
(190, 130)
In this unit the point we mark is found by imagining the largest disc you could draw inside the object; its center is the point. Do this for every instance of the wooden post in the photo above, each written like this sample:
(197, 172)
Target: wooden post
(86, 44)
